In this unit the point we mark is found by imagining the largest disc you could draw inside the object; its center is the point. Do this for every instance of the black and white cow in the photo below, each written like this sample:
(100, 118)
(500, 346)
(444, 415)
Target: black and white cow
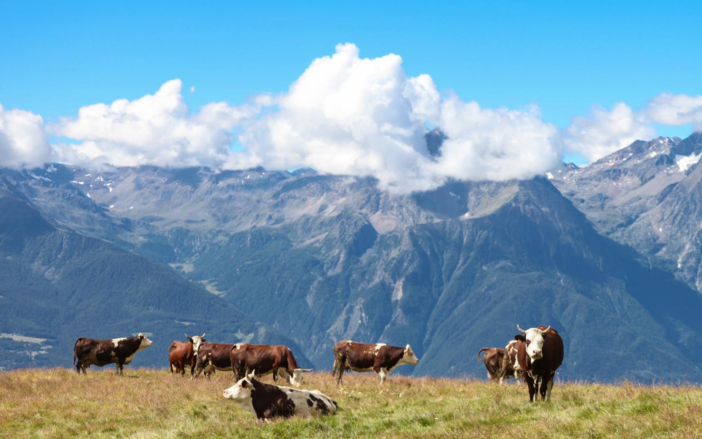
(120, 351)
(270, 401)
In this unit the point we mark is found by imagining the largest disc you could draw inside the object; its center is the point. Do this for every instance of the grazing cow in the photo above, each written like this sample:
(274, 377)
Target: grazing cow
(120, 351)
(362, 357)
(510, 364)
(217, 355)
(264, 359)
(540, 354)
(270, 401)
(493, 363)
(182, 354)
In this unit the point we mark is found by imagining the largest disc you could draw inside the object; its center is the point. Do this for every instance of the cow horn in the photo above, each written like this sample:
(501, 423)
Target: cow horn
(203, 335)
(546, 330)
(187, 336)
(307, 370)
(521, 330)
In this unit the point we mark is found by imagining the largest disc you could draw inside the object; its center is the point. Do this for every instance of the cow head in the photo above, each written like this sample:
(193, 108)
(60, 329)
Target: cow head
(534, 339)
(196, 341)
(242, 389)
(145, 342)
(296, 378)
(409, 357)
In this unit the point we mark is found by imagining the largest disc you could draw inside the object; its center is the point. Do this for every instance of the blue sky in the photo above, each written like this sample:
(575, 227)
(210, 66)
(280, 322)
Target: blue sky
(567, 58)
(58, 56)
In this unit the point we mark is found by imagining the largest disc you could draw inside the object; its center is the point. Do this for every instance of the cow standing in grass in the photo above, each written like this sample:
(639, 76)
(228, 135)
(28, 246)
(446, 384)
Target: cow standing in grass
(218, 355)
(265, 359)
(540, 355)
(510, 364)
(376, 357)
(493, 359)
(183, 354)
(119, 351)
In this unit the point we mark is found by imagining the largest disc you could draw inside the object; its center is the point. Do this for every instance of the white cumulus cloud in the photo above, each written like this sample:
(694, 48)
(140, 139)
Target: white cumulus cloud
(156, 129)
(604, 132)
(676, 109)
(364, 117)
(23, 140)
(344, 115)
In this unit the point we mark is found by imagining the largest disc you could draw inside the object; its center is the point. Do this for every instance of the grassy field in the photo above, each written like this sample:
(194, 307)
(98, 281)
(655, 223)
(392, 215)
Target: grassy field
(152, 404)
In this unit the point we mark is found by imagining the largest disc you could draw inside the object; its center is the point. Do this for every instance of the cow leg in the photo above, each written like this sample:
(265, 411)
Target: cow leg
(341, 374)
(544, 386)
(78, 367)
(383, 374)
(117, 368)
(548, 390)
(334, 366)
(530, 382)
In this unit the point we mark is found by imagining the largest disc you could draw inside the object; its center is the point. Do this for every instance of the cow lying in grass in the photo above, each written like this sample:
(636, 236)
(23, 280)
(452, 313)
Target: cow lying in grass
(268, 401)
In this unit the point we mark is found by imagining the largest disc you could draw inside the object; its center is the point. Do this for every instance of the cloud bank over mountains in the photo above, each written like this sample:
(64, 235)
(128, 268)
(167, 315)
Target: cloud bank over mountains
(344, 115)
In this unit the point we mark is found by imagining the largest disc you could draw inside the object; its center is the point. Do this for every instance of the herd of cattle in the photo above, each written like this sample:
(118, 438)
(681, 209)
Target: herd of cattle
(535, 354)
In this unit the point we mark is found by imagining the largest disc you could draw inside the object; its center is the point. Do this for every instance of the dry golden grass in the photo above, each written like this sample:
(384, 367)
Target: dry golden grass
(151, 404)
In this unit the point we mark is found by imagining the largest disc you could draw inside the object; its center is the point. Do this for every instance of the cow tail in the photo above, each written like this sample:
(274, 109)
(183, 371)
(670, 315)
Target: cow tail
(75, 348)
(480, 351)
(335, 366)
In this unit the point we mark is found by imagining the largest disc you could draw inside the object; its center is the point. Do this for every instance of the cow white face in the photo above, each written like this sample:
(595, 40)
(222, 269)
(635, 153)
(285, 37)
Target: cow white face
(196, 340)
(145, 342)
(535, 343)
(296, 378)
(241, 391)
(409, 357)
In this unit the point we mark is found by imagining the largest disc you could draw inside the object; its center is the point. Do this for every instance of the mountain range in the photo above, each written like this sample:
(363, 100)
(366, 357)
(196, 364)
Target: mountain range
(607, 254)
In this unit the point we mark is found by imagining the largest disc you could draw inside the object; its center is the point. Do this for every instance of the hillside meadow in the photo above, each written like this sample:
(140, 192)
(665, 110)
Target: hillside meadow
(145, 403)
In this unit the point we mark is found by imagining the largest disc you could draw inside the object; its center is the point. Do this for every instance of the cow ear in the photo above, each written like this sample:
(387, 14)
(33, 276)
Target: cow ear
(520, 337)
(244, 383)
(141, 336)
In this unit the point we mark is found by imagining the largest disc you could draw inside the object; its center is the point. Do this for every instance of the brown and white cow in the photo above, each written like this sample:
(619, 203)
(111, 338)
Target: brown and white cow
(540, 355)
(493, 360)
(265, 359)
(119, 351)
(270, 401)
(510, 364)
(375, 357)
(218, 355)
(183, 354)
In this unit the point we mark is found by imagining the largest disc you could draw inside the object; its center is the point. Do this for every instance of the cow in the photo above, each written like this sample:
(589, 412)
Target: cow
(218, 355)
(209, 368)
(539, 356)
(362, 357)
(493, 363)
(265, 359)
(510, 364)
(183, 354)
(120, 351)
(268, 401)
